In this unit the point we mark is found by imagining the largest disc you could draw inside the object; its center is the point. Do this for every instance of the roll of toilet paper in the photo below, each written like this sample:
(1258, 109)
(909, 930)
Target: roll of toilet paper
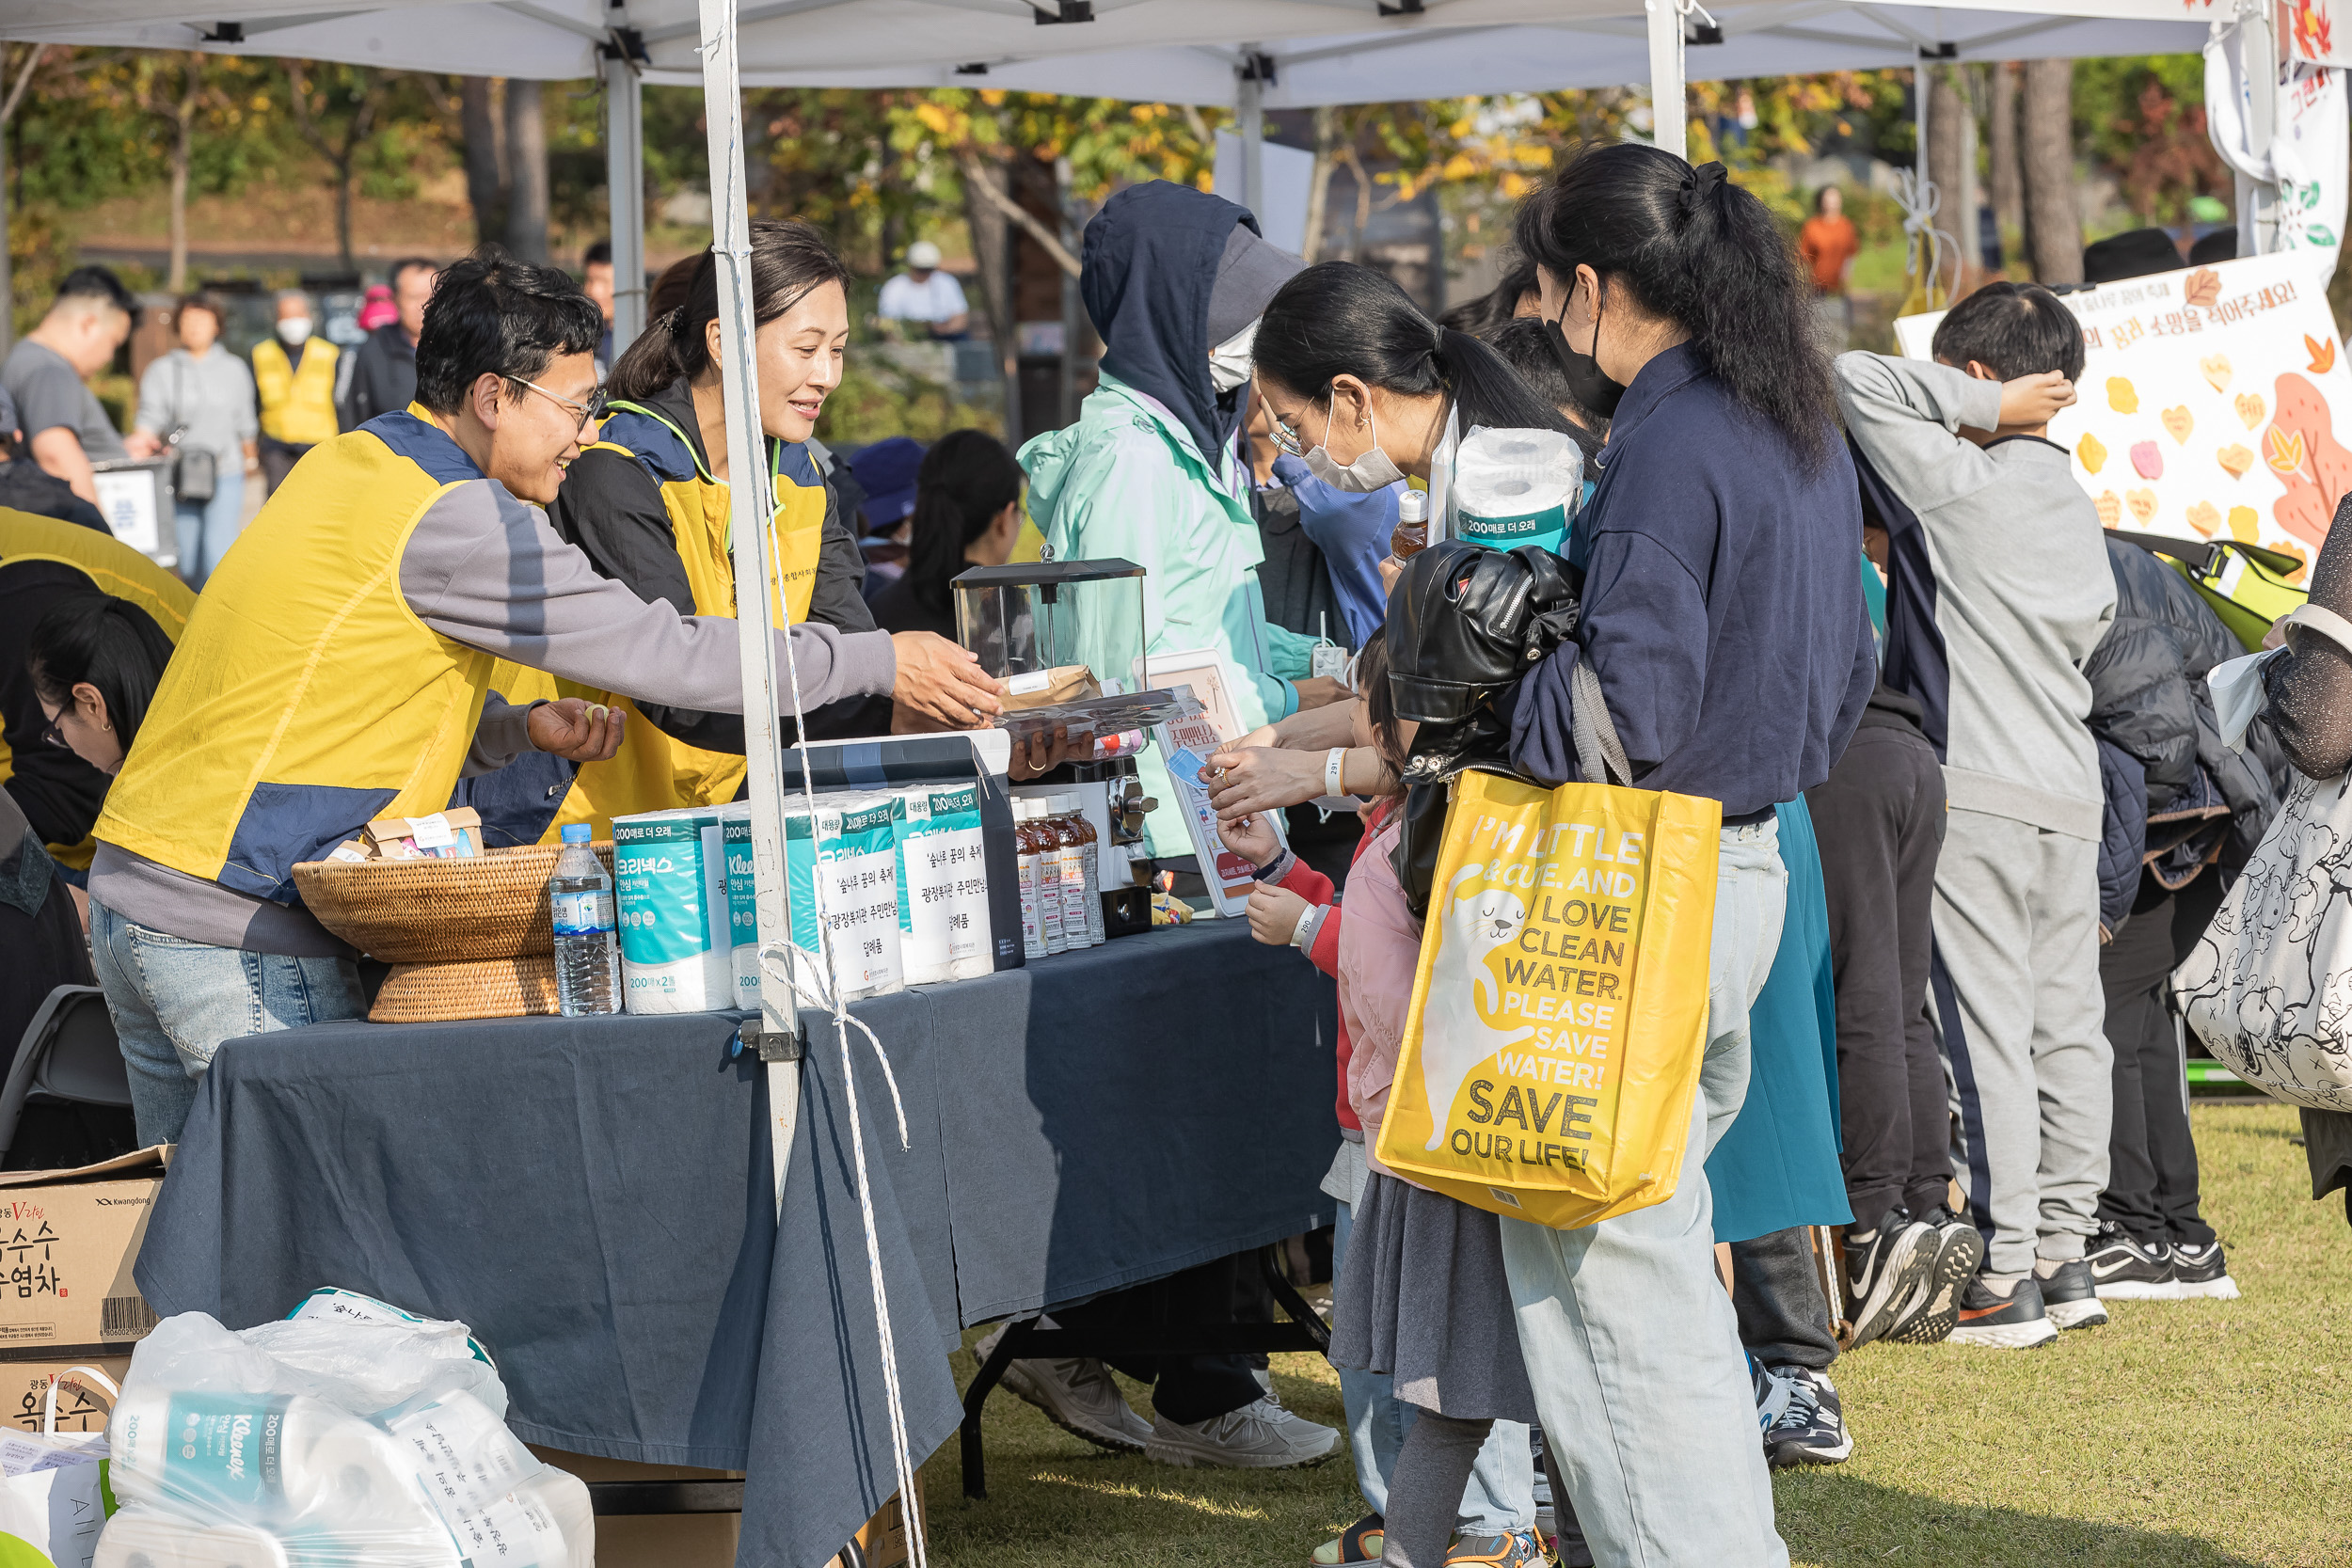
(1514, 487)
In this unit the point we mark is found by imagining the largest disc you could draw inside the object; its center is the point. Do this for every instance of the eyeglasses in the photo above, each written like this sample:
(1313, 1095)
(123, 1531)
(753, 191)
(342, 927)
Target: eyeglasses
(53, 734)
(1285, 439)
(593, 411)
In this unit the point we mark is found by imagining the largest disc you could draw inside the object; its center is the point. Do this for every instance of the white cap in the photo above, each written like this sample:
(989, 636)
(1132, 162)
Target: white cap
(1412, 506)
(922, 256)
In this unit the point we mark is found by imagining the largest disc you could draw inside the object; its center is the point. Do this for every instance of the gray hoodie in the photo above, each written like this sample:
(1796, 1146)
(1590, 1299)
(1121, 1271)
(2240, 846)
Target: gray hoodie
(1999, 566)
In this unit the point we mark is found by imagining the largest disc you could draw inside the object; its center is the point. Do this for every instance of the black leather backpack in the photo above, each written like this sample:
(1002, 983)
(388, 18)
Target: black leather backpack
(1466, 624)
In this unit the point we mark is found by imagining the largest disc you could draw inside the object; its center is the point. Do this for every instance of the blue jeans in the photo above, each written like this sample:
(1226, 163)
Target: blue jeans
(1500, 1497)
(206, 530)
(1629, 1337)
(176, 1003)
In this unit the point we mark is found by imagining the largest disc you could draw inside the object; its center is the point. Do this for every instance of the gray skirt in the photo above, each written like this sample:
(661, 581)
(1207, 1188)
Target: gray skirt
(1422, 1298)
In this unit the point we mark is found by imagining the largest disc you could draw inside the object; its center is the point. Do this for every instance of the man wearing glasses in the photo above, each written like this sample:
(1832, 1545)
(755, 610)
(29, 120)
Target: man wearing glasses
(339, 668)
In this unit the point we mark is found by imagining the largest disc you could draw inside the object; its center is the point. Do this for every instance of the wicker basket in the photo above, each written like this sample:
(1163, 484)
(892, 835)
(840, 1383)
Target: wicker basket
(494, 988)
(493, 905)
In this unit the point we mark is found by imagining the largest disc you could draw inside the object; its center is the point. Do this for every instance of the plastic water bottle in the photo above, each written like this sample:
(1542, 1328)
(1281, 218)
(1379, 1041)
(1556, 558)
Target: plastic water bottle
(587, 958)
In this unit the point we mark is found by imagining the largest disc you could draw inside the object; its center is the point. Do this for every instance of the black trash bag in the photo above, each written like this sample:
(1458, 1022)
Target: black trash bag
(1466, 624)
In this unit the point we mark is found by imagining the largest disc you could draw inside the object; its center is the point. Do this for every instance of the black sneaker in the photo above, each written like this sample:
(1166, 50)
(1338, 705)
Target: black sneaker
(1812, 1430)
(1884, 1269)
(1929, 1317)
(2202, 1271)
(2126, 1269)
(2070, 1297)
(2015, 1322)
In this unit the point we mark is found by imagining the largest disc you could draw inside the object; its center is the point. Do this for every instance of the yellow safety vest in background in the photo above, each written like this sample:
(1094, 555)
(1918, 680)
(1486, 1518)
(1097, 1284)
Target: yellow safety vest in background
(306, 697)
(652, 772)
(297, 404)
(113, 567)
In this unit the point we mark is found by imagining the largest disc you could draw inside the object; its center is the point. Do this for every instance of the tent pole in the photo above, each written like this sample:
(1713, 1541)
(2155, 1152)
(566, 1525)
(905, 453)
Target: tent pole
(750, 508)
(7, 279)
(1669, 108)
(2259, 49)
(625, 184)
(1249, 109)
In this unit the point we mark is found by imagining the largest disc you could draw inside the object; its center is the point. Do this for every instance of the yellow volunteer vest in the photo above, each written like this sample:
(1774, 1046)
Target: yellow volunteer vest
(306, 697)
(113, 567)
(297, 405)
(652, 772)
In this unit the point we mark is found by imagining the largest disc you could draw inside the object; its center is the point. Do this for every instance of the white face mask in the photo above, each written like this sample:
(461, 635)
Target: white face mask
(293, 329)
(1373, 471)
(1229, 362)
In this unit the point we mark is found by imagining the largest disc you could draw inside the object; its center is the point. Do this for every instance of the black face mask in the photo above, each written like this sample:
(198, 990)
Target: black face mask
(1587, 382)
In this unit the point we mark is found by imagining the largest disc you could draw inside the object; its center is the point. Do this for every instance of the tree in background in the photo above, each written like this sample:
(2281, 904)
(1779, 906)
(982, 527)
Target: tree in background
(334, 110)
(2144, 121)
(2054, 230)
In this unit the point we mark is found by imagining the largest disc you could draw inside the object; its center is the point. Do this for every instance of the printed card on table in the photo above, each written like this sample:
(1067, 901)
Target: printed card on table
(2215, 402)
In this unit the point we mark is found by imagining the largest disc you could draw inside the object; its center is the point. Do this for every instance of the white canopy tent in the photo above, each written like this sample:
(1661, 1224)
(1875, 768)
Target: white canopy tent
(1255, 54)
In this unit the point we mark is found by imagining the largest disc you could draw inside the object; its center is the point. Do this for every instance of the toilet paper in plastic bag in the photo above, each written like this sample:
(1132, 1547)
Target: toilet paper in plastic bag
(669, 881)
(943, 885)
(857, 858)
(226, 1455)
(1514, 487)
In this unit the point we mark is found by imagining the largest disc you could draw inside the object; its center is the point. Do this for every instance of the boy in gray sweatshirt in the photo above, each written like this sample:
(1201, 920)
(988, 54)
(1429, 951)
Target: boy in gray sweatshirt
(1998, 589)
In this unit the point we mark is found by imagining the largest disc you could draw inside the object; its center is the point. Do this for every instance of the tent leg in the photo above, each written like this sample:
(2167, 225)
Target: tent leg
(1249, 110)
(624, 182)
(2259, 48)
(750, 507)
(1670, 114)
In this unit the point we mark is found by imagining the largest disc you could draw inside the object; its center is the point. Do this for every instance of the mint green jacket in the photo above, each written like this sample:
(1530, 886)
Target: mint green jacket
(1127, 481)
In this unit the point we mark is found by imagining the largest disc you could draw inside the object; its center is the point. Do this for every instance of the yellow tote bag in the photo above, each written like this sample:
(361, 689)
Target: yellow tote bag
(1559, 1011)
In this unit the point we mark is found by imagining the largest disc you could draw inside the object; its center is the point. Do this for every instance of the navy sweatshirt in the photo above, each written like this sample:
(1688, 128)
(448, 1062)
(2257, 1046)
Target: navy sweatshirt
(1721, 609)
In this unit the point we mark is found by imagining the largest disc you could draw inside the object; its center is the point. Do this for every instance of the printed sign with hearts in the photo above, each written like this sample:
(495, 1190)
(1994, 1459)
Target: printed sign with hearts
(2216, 396)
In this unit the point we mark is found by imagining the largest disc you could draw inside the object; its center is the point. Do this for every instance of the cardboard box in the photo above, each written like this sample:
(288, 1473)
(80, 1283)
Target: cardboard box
(883, 1542)
(68, 1239)
(25, 1385)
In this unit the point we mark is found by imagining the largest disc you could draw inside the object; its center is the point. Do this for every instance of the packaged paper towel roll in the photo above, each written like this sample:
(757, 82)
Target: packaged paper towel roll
(943, 885)
(1514, 487)
(669, 879)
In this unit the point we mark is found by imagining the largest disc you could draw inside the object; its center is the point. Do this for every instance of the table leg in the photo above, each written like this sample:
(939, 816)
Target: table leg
(1007, 1351)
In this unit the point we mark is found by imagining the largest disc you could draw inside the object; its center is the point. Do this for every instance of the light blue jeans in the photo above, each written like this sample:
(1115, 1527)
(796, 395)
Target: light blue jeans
(1500, 1497)
(207, 531)
(176, 1003)
(1628, 1335)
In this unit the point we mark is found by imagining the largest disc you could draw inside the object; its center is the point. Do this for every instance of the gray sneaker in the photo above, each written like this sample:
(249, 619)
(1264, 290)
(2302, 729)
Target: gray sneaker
(1260, 1436)
(1078, 1395)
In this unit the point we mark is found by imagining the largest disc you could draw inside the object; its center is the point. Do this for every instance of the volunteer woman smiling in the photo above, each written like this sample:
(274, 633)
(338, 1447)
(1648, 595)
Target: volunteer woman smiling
(648, 503)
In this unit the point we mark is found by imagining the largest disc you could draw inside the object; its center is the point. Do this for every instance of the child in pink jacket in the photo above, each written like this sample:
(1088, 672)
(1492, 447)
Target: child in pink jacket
(1421, 1296)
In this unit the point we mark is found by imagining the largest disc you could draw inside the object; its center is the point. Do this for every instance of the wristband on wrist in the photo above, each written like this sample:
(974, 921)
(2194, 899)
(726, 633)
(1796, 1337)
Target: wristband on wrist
(1335, 772)
(1306, 919)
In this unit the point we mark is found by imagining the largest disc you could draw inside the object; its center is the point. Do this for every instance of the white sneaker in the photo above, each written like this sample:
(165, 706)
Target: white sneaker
(1076, 1394)
(1260, 1436)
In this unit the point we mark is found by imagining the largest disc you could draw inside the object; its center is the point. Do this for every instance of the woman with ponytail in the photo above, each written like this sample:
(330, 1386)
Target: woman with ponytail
(967, 513)
(649, 504)
(1723, 614)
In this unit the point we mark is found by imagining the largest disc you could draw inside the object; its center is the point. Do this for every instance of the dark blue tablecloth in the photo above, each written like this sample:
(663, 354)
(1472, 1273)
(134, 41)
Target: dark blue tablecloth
(594, 1197)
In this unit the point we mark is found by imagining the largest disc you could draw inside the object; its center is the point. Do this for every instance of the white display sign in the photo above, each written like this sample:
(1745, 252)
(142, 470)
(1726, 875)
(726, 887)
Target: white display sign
(132, 504)
(2208, 402)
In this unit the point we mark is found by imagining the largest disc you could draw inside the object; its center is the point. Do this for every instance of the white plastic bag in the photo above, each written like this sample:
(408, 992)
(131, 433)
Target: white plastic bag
(53, 1489)
(328, 1441)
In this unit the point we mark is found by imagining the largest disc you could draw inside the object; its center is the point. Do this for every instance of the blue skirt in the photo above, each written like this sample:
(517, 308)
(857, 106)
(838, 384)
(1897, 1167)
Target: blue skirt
(1778, 1167)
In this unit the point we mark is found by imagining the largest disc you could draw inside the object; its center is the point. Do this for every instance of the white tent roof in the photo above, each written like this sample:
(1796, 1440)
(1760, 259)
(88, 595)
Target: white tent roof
(1178, 51)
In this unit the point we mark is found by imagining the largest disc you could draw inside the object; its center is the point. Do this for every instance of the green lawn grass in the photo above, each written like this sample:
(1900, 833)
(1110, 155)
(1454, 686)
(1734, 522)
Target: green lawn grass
(2191, 1434)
